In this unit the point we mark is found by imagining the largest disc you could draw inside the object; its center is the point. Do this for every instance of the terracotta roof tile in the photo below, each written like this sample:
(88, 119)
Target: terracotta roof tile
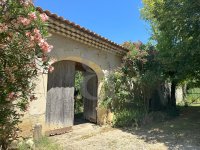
(82, 29)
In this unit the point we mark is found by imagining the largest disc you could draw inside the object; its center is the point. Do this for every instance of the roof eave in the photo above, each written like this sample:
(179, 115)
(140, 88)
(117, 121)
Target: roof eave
(76, 32)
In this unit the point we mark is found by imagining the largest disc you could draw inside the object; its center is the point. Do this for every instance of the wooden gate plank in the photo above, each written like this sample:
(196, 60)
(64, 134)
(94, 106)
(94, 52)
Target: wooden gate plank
(90, 95)
(60, 96)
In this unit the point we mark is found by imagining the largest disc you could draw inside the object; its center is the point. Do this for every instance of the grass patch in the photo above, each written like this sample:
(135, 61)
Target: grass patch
(193, 96)
(43, 144)
(46, 144)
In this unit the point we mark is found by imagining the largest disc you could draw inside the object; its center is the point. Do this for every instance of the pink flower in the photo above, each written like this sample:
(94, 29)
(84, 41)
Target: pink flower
(25, 2)
(46, 48)
(44, 58)
(11, 95)
(24, 21)
(37, 36)
(44, 17)
(32, 38)
(41, 42)
(36, 31)
(28, 34)
(32, 16)
(51, 69)
(3, 27)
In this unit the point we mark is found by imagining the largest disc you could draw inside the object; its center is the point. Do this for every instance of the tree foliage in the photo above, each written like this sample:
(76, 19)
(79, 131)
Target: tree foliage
(23, 52)
(175, 26)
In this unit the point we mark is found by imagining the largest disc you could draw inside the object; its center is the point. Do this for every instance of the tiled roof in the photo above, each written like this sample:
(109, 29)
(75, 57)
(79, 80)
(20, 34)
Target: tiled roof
(65, 27)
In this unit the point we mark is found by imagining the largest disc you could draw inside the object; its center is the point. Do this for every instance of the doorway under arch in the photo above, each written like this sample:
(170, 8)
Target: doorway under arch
(60, 94)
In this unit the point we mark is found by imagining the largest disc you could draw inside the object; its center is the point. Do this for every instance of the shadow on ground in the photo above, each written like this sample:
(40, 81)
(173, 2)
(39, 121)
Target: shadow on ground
(182, 132)
(79, 119)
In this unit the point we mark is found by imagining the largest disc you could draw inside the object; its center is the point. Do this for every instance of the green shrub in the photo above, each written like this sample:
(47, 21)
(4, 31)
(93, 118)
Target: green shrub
(127, 91)
(47, 144)
(126, 118)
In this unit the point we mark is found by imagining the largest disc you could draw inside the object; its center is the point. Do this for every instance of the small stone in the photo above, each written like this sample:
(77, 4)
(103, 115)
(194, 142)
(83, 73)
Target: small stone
(37, 132)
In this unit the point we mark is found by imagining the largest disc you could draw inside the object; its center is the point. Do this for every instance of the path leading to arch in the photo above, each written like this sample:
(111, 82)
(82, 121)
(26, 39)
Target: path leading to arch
(181, 133)
(92, 137)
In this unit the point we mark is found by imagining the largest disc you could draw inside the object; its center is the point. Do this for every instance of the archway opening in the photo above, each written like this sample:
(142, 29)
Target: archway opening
(60, 110)
(85, 94)
(78, 99)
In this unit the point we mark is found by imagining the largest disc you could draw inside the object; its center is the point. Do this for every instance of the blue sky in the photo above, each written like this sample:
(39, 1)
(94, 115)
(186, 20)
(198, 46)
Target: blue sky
(117, 20)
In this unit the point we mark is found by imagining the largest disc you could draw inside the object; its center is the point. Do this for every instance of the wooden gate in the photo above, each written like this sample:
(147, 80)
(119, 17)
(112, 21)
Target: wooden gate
(60, 98)
(90, 95)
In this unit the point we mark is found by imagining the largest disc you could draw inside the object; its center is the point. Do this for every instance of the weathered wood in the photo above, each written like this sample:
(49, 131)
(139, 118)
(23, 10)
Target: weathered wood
(58, 131)
(62, 76)
(60, 95)
(90, 95)
(60, 107)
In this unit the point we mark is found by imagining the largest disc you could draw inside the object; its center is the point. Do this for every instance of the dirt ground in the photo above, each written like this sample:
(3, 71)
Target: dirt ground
(181, 133)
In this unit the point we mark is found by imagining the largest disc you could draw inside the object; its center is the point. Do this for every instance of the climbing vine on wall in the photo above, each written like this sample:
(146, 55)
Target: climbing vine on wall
(129, 88)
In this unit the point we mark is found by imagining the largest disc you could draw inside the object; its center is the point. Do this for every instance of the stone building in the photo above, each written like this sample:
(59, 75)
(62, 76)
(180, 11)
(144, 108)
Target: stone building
(75, 48)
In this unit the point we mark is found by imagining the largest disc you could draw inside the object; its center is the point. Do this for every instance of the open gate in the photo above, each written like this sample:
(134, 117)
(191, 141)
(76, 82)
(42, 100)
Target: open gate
(60, 97)
(90, 95)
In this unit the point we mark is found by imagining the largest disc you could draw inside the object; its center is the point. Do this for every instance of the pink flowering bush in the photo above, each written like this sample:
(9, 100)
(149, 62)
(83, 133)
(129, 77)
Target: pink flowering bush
(23, 52)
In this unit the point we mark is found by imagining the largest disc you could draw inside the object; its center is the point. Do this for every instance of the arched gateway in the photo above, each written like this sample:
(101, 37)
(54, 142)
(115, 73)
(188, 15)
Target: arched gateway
(60, 95)
(75, 48)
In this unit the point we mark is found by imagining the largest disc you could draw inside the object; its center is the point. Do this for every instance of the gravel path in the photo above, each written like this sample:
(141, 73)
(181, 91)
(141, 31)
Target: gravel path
(92, 137)
(182, 133)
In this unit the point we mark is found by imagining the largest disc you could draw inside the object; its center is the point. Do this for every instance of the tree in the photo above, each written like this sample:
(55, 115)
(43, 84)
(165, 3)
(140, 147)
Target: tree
(175, 28)
(23, 52)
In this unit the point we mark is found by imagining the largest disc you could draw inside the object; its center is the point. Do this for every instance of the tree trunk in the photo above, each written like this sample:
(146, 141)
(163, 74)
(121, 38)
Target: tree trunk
(173, 94)
(184, 89)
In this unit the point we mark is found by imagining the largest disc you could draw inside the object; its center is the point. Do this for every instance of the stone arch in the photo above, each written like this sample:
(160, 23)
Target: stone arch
(97, 68)
(94, 66)
(60, 91)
